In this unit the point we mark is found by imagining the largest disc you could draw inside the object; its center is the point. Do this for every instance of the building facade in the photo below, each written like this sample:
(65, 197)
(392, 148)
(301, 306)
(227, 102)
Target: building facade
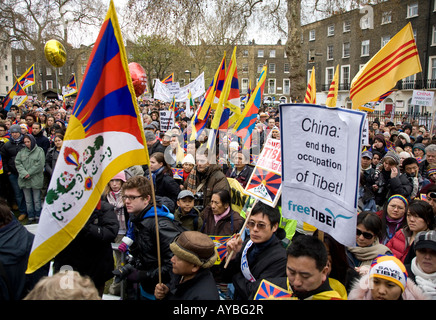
(351, 39)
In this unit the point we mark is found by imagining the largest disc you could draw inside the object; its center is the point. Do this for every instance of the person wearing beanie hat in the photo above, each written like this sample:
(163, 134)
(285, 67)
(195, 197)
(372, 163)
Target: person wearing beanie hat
(188, 164)
(389, 180)
(419, 151)
(379, 144)
(422, 269)
(404, 138)
(387, 280)
(194, 255)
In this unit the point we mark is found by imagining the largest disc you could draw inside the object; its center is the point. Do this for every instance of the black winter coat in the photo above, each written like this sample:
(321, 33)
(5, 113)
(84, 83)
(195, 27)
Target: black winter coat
(9, 152)
(270, 262)
(90, 253)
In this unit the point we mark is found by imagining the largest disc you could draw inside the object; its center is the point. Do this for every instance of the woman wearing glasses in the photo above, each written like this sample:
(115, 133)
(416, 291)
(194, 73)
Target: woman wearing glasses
(368, 246)
(393, 217)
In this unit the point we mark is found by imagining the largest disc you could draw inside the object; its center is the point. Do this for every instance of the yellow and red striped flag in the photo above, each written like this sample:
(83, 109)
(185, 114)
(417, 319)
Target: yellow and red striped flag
(311, 89)
(333, 90)
(397, 60)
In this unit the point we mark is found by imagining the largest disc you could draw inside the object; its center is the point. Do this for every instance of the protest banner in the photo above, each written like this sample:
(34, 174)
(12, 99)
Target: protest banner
(365, 132)
(422, 98)
(265, 181)
(166, 119)
(166, 92)
(321, 167)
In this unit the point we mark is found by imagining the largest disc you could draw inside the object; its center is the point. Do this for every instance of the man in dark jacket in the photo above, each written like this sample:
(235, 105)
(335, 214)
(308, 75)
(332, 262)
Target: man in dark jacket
(90, 253)
(41, 140)
(242, 170)
(144, 268)
(259, 257)
(194, 253)
(9, 151)
(153, 144)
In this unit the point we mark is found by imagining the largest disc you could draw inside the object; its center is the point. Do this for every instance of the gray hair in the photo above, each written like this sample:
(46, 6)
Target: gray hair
(430, 148)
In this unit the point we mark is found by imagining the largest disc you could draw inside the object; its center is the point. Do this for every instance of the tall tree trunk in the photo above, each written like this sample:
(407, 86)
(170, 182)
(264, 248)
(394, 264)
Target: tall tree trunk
(294, 51)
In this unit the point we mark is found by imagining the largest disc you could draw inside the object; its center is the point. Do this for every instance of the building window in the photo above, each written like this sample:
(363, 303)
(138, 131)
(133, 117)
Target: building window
(6, 78)
(311, 55)
(286, 86)
(272, 68)
(244, 86)
(260, 53)
(432, 73)
(346, 50)
(365, 48)
(412, 10)
(286, 68)
(245, 68)
(60, 71)
(384, 40)
(259, 67)
(386, 17)
(331, 30)
(272, 53)
(245, 53)
(409, 82)
(312, 35)
(433, 36)
(309, 74)
(271, 86)
(346, 26)
(83, 69)
(329, 73)
(330, 52)
(17, 58)
(49, 84)
(48, 71)
(345, 77)
(6, 67)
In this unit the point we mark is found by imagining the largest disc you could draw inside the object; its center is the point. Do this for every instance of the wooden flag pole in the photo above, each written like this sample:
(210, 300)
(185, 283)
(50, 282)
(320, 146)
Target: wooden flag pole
(230, 254)
(156, 221)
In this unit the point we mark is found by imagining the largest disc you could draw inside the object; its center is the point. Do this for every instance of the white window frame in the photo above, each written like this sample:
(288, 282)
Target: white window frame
(410, 10)
(383, 40)
(272, 53)
(245, 68)
(244, 85)
(430, 60)
(309, 74)
(330, 30)
(433, 35)
(260, 53)
(343, 50)
(312, 35)
(48, 71)
(386, 17)
(328, 81)
(259, 67)
(330, 57)
(364, 49)
(346, 27)
(270, 91)
(348, 81)
(272, 68)
(286, 86)
(49, 84)
(286, 67)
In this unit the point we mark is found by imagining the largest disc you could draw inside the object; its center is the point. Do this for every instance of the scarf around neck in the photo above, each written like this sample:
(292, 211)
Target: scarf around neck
(426, 281)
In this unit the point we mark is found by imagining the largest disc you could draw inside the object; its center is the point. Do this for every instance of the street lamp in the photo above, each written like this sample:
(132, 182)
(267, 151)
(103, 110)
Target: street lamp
(188, 72)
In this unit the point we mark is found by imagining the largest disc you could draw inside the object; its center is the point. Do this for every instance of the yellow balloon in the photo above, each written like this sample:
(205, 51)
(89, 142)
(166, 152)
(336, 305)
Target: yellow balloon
(55, 53)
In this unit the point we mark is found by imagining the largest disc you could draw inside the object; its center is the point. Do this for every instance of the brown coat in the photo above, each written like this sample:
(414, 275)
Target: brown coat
(226, 226)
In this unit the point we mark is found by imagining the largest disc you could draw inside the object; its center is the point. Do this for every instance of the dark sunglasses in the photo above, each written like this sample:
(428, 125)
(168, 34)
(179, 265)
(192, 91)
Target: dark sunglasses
(366, 235)
(432, 195)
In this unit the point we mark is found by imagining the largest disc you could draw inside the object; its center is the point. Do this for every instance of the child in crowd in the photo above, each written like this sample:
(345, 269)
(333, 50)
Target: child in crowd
(186, 213)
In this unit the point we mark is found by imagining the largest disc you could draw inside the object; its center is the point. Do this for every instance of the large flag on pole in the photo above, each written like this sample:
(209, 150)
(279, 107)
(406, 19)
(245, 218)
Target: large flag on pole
(16, 96)
(247, 121)
(71, 87)
(332, 95)
(397, 60)
(311, 89)
(104, 136)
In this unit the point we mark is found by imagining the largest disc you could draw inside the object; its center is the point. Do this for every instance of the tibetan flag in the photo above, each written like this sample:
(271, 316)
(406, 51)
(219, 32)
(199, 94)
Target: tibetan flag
(247, 121)
(198, 125)
(268, 290)
(311, 89)
(16, 96)
(104, 137)
(332, 95)
(398, 59)
(71, 87)
(168, 79)
(220, 246)
(1, 164)
(213, 93)
(370, 106)
(27, 78)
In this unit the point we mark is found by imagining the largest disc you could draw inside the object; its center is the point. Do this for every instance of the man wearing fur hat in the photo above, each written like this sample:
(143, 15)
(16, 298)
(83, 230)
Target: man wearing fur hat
(194, 253)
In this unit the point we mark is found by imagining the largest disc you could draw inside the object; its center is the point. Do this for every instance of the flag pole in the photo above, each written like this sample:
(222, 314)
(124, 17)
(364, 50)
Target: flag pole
(156, 221)
(230, 254)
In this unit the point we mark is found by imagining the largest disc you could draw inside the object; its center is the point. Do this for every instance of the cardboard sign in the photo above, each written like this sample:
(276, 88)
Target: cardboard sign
(321, 167)
(166, 119)
(265, 182)
(422, 98)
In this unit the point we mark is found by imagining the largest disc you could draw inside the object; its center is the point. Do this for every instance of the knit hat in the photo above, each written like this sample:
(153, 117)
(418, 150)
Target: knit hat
(420, 146)
(400, 197)
(389, 268)
(149, 136)
(431, 169)
(195, 247)
(426, 240)
(381, 138)
(15, 128)
(392, 155)
(189, 158)
(120, 176)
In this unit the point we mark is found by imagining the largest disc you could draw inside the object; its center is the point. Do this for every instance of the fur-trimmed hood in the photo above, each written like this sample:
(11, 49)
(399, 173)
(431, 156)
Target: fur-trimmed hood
(360, 290)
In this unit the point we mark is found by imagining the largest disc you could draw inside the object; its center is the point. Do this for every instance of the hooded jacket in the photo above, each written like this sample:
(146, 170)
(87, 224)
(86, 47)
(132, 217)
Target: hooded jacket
(9, 151)
(30, 162)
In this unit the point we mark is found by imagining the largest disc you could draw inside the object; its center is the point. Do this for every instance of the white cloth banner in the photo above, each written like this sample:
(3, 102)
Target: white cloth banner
(165, 92)
(321, 167)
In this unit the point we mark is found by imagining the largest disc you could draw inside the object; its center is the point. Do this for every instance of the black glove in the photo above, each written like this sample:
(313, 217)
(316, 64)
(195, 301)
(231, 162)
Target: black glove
(122, 272)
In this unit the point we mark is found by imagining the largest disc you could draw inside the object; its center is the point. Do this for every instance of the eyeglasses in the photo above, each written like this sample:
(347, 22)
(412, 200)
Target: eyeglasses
(432, 195)
(260, 225)
(366, 235)
(131, 198)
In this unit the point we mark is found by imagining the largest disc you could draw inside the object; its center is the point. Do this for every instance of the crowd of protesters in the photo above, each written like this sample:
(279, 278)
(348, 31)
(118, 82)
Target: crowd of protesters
(192, 200)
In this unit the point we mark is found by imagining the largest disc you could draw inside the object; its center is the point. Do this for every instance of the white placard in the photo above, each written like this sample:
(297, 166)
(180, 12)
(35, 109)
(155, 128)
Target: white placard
(422, 98)
(321, 166)
(166, 119)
